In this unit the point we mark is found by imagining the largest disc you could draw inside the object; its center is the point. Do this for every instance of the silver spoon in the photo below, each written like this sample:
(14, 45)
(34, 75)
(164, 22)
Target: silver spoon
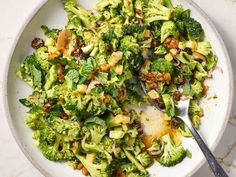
(183, 106)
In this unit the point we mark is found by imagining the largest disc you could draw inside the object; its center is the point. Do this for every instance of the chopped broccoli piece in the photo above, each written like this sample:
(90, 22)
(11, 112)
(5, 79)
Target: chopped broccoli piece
(169, 104)
(86, 17)
(204, 47)
(195, 113)
(129, 43)
(156, 148)
(168, 29)
(145, 159)
(196, 88)
(101, 5)
(162, 65)
(161, 50)
(135, 161)
(211, 61)
(128, 8)
(194, 29)
(172, 154)
(50, 33)
(156, 11)
(100, 169)
(97, 128)
(200, 73)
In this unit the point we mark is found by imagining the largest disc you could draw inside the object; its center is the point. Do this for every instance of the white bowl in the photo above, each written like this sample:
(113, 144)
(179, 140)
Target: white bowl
(51, 13)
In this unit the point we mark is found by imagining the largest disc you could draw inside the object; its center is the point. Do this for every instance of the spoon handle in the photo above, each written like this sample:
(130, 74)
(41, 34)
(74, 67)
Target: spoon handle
(215, 166)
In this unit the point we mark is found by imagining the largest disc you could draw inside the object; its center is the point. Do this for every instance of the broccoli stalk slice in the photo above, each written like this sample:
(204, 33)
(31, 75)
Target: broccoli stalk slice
(85, 16)
(95, 170)
(134, 161)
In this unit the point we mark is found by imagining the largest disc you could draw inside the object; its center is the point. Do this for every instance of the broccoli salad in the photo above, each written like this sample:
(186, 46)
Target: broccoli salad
(85, 77)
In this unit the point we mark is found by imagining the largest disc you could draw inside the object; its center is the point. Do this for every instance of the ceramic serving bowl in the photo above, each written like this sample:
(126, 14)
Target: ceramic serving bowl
(51, 13)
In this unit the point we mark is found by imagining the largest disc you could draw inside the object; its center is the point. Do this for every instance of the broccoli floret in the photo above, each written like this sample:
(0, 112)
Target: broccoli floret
(145, 159)
(169, 104)
(172, 154)
(97, 128)
(31, 72)
(156, 148)
(132, 28)
(138, 8)
(177, 12)
(156, 11)
(118, 120)
(200, 73)
(100, 169)
(50, 33)
(162, 65)
(86, 17)
(101, 5)
(135, 161)
(93, 147)
(168, 29)
(160, 50)
(194, 29)
(55, 137)
(211, 61)
(195, 113)
(128, 167)
(51, 77)
(196, 88)
(204, 47)
(128, 8)
(129, 43)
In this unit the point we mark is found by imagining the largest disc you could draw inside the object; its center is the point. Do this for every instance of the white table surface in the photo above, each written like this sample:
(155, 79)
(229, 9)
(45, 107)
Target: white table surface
(13, 14)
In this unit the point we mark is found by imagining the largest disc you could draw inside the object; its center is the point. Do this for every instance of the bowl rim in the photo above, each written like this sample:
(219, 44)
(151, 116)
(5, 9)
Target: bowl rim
(6, 110)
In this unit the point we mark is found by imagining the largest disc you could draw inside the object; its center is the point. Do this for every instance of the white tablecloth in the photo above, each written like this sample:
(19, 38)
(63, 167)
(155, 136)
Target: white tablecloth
(13, 14)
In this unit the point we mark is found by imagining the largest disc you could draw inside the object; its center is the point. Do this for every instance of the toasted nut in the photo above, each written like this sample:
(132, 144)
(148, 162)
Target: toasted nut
(80, 166)
(105, 67)
(85, 171)
(167, 77)
(115, 57)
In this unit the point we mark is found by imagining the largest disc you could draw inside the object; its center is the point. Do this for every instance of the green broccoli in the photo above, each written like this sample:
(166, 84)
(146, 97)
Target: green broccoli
(101, 5)
(204, 47)
(86, 17)
(128, 8)
(161, 50)
(177, 12)
(200, 73)
(97, 128)
(99, 169)
(135, 161)
(118, 120)
(156, 148)
(51, 77)
(169, 104)
(138, 8)
(156, 11)
(194, 29)
(195, 112)
(162, 65)
(145, 159)
(31, 72)
(211, 61)
(54, 137)
(129, 43)
(50, 33)
(93, 147)
(168, 29)
(172, 154)
(196, 88)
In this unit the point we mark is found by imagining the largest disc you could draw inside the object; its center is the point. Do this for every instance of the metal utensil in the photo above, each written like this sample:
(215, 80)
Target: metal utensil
(183, 106)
